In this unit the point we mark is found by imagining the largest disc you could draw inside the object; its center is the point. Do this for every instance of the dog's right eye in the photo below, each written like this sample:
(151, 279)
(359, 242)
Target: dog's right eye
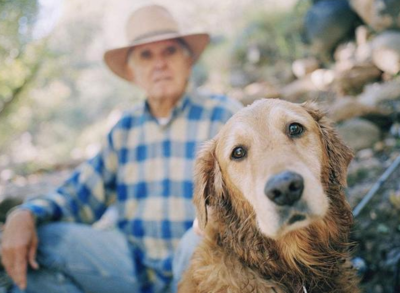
(238, 153)
(295, 129)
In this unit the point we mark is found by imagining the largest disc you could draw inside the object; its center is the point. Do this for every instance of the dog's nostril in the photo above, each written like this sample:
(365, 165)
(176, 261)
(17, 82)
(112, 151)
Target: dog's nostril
(276, 193)
(285, 188)
(294, 186)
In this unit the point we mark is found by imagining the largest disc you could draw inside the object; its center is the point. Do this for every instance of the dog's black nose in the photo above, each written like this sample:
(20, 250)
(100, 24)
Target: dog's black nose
(285, 188)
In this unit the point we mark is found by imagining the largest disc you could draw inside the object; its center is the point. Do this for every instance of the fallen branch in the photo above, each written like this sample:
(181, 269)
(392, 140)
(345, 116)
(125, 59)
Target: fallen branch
(357, 210)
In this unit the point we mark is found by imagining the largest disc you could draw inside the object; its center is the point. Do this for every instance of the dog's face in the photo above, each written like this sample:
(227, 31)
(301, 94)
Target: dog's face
(273, 153)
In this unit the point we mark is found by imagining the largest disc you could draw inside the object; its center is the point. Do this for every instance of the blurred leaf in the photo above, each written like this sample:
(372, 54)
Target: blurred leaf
(18, 55)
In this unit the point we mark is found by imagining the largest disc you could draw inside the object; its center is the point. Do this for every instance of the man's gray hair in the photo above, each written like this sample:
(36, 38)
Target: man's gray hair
(185, 47)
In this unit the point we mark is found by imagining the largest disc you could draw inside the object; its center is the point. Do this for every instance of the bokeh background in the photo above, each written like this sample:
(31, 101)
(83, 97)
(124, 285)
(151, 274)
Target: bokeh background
(58, 99)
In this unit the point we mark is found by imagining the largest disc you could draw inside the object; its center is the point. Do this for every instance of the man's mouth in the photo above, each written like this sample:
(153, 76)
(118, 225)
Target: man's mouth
(161, 79)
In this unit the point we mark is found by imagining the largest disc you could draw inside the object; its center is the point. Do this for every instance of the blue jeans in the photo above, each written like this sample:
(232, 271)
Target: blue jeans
(77, 258)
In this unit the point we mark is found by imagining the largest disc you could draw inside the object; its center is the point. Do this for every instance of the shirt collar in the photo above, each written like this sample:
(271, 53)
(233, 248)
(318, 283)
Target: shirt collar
(176, 111)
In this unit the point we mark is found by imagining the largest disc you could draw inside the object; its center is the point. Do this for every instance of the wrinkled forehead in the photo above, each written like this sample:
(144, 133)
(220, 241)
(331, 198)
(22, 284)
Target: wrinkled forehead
(262, 118)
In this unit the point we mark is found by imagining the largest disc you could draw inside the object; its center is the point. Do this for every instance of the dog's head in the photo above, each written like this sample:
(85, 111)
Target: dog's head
(275, 159)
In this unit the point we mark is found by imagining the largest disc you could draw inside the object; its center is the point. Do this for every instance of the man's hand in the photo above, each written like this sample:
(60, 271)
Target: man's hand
(19, 244)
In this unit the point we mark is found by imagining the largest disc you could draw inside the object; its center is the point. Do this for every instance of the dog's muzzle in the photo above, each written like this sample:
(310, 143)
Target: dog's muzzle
(285, 188)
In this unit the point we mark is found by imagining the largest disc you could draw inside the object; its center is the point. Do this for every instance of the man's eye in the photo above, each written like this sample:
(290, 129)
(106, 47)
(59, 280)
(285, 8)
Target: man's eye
(295, 129)
(171, 50)
(238, 153)
(145, 55)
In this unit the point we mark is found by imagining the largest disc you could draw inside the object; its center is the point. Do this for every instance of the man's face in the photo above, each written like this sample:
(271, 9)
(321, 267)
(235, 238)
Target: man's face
(161, 69)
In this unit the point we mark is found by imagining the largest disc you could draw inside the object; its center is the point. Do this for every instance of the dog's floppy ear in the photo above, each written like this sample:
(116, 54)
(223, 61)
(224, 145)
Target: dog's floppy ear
(208, 181)
(338, 154)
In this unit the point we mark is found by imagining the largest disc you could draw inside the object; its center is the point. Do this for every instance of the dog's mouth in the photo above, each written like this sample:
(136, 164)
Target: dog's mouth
(296, 218)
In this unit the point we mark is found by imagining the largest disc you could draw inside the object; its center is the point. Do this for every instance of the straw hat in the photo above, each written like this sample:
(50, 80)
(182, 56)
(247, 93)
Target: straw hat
(151, 24)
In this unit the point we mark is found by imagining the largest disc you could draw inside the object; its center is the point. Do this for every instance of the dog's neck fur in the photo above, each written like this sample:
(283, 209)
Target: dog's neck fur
(314, 257)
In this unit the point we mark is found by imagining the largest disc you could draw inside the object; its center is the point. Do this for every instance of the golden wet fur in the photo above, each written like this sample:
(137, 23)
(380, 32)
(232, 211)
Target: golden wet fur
(249, 243)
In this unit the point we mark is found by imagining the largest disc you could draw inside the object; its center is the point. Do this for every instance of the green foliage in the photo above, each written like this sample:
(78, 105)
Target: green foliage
(271, 36)
(18, 55)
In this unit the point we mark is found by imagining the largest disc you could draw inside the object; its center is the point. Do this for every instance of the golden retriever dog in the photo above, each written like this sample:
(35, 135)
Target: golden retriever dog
(270, 199)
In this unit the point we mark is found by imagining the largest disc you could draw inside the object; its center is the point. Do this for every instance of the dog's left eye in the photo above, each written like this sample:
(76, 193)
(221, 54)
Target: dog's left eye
(238, 153)
(295, 129)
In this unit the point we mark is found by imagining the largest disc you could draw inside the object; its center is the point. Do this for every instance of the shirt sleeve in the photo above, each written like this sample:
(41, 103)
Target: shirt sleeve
(85, 196)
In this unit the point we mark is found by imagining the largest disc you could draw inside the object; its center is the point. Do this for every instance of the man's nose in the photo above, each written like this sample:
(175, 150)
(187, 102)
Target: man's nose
(285, 188)
(160, 62)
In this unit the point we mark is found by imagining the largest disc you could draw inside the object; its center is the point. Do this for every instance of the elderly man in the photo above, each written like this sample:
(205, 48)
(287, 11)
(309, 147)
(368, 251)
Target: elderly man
(144, 168)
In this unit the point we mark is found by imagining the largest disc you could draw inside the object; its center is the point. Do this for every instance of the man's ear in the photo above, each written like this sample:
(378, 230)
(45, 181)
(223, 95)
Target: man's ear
(208, 181)
(338, 154)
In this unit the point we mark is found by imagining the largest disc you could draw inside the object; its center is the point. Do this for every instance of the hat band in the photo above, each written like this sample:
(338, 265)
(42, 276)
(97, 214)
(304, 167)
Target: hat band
(153, 34)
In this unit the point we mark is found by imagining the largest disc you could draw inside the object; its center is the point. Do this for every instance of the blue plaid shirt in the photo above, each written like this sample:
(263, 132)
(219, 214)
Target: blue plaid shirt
(146, 169)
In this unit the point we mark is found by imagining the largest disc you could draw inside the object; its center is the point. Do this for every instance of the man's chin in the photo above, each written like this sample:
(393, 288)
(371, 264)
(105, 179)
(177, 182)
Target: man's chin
(165, 93)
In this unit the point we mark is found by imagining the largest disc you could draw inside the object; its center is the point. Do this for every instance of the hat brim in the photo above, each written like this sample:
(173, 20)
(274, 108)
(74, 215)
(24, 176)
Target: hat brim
(116, 59)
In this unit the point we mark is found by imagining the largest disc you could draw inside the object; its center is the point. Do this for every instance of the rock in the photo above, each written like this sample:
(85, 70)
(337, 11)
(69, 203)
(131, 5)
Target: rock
(386, 52)
(256, 91)
(365, 154)
(322, 78)
(363, 53)
(352, 77)
(328, 22)
(379, 146)
(261, 89)
(360, 265)
(319, 80)
(347, 108)
(345, 52)
(378, 14)
(362, 35)
(358, 52)
(378, 92)
(359, 134)
(297, 88)
(390, 142)
(302, 67)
